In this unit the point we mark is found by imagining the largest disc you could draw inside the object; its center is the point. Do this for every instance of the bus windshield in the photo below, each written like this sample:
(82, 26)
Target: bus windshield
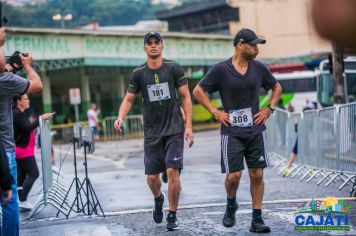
(326, 86)
(298, 88)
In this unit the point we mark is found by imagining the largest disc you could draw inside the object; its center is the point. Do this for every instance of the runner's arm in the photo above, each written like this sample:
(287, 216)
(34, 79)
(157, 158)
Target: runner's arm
(276, 94)
(262, 116)
(187, 107)
(200, 95)
(220, 116)
(125, 107)
(186, 104)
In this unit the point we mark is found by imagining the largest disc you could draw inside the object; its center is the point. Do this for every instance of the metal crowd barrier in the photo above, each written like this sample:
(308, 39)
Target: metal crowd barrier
(281, 134)
(53, 188)
(64, 132)
(326, 144)
(132, 128)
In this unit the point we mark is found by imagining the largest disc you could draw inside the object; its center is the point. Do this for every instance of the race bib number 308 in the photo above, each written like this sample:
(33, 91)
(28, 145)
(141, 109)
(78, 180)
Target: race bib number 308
(241, 118)
(158, 92)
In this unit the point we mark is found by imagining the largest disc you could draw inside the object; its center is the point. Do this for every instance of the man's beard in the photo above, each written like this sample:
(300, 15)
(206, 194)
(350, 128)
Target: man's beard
(250, 56)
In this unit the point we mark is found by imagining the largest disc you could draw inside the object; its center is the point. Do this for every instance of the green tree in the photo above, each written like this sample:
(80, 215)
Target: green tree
(106, 12)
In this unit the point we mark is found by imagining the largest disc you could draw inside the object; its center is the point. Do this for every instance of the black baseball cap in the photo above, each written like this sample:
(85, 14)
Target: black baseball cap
(152, 34)
(247, 36)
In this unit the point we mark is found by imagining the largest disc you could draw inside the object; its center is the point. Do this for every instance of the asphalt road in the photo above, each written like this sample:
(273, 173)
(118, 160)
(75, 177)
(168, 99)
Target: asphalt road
(116, 172)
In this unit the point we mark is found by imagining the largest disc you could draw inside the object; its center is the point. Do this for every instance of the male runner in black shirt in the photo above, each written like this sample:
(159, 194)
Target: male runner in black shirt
(238, 80)
(158, 80)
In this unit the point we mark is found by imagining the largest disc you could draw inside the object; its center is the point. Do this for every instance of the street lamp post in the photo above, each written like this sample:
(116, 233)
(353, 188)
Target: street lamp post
(62, 19)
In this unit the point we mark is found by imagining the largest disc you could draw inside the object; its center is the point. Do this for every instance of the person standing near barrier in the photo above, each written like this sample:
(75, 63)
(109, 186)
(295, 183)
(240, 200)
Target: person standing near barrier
(11, 84)
(158, 80)
(93, 121)
(6, 179)
(293, 154)
(24, 134)
(238, 80)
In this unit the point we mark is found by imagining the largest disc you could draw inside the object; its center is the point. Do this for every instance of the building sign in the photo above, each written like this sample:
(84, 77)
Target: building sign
(117, 49)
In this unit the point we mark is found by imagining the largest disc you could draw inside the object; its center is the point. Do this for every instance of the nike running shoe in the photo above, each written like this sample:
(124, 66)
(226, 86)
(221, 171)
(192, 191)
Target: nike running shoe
(172, 222)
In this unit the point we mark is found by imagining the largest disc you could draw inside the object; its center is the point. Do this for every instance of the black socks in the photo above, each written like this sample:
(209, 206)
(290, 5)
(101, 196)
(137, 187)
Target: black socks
(159, 198)
(231, 202)
(172, 213)
(256, 213)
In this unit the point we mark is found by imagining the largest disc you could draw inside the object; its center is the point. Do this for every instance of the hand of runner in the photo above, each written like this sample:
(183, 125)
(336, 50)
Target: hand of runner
(118, 124)
(262, 116)
(188, 136)
(222, 117)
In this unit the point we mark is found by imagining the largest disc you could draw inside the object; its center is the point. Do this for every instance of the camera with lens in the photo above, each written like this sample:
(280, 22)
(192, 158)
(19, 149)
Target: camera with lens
(15, 61)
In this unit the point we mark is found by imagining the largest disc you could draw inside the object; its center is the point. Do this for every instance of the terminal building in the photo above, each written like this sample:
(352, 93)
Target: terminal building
(100, 63)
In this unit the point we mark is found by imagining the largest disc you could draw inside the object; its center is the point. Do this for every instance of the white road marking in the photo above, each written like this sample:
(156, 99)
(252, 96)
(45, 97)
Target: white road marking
(136, 211)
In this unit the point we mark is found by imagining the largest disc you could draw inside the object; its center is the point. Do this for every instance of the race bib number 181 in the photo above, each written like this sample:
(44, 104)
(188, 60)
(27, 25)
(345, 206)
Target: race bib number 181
(158, 92)
(241, 118)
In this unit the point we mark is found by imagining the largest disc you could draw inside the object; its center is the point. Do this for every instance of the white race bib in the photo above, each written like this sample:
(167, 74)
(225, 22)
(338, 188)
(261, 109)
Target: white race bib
(241, 118)
(158, 92)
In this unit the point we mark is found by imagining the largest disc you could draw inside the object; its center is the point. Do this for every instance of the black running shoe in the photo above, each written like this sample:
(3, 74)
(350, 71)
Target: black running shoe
(157, 213)
(229, 216)
(164, 177)
(172, 222)
(258, 226)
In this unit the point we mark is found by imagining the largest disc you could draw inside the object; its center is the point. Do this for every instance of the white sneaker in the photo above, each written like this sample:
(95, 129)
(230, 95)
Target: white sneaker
(25, 206)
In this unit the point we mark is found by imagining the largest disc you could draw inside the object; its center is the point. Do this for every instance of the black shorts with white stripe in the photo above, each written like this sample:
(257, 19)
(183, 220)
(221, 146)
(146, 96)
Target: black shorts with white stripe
(234, 149)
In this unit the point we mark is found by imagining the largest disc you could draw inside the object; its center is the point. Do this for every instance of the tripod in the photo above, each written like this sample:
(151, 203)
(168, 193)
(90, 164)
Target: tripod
(92, 201)
(76, 183)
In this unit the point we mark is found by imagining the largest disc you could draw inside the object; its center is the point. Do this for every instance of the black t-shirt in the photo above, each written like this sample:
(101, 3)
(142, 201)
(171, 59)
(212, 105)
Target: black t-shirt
(161, 109)
(239, 91)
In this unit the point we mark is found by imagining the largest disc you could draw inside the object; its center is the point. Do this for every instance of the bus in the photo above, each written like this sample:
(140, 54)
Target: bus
(298, 87)
(325, 86)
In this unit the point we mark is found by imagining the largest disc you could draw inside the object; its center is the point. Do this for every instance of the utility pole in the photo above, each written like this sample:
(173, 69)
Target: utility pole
(338, 74)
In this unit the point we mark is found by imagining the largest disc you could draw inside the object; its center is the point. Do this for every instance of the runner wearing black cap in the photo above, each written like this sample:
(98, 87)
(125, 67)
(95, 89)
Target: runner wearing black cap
(238, 80)
(158, 80)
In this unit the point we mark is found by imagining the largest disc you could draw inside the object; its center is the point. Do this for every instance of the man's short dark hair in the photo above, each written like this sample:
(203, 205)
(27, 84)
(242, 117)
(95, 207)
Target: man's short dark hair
(16, 98)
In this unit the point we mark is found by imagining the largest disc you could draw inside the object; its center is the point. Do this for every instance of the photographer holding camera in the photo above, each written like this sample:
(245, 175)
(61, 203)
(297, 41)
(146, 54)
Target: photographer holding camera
(6, 179)
(12, 84)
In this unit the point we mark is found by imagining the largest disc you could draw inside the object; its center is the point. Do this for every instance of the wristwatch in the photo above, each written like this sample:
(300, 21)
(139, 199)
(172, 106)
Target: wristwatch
(271, 107)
